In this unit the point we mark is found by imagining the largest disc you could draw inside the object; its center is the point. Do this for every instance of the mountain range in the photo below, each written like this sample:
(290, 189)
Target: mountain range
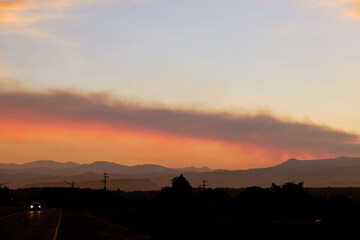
(50, 167)
(337, 172)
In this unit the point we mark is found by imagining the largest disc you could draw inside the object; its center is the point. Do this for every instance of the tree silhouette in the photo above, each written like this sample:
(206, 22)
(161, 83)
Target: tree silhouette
(181, 185)
(176, 198)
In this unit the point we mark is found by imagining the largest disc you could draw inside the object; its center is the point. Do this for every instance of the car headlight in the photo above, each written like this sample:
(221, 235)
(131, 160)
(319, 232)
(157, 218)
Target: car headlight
(39, 206)
(31, 206)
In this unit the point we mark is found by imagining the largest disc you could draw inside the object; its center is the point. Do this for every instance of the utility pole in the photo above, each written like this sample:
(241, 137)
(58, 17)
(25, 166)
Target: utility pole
(204, 185)
(72, 184)
(106, 176)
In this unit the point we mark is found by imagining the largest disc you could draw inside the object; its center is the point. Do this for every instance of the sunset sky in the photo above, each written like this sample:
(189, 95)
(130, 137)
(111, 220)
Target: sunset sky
(232, 84)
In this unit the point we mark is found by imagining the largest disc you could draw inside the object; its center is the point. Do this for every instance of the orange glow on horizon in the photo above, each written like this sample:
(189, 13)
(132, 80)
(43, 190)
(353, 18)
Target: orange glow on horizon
(22, 142)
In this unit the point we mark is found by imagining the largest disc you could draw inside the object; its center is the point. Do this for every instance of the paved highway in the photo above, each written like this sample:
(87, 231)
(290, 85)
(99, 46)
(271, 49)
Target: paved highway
(28, 225)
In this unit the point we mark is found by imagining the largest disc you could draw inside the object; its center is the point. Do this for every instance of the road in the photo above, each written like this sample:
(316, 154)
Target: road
(28, 225)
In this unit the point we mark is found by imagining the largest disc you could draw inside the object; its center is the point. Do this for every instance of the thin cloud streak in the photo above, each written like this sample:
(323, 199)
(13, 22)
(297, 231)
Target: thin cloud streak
(19, 11)
(355, 11)
(30, 11)
(348, 8)
(259, 130)
(24, 17)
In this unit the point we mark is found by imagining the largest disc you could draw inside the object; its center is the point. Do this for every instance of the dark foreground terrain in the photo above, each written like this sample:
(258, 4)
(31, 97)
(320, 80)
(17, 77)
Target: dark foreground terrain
(36, 225)
(287, 211)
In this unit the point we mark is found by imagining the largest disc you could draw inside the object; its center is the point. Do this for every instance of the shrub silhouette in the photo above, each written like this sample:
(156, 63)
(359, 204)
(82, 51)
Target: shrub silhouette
(289, 188)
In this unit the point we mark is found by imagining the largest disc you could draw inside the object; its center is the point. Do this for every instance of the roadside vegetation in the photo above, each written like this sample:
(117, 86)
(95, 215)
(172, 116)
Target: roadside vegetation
(182, 212)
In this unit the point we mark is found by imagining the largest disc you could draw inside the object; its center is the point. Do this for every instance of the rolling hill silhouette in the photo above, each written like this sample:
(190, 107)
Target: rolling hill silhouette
(67, 169)
(337, 172)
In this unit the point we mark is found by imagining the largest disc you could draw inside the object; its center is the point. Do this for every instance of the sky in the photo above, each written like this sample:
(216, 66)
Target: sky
(231, 84)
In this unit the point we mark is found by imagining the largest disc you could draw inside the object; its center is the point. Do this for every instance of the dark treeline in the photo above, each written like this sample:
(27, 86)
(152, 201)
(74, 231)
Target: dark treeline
(182, 212)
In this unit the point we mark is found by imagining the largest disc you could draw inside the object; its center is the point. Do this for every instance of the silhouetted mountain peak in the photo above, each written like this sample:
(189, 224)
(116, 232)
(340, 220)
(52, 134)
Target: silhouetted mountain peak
(195, 169)
(323, 163)
(150, 166)
(104, 163)
(293, 160)
(43, 164)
